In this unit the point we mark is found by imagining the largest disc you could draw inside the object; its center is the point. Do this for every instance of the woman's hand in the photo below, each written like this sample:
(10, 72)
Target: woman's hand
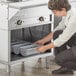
(40, 42)
(42, 49)
(45, 39)
(46, 47)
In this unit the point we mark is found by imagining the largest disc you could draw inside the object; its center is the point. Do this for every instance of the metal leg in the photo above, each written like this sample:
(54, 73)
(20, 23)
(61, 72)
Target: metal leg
(39, 64)
(9, 74)
(40, 60)
(8, 68)
(23, 67)
(47, 63)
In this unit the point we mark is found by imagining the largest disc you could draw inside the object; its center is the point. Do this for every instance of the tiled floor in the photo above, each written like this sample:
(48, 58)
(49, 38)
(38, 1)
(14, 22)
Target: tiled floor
(32, 68)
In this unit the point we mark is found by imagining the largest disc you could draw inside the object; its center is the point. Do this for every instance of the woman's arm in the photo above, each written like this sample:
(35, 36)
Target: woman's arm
(45, 39)
(48, 37)
(45, 47)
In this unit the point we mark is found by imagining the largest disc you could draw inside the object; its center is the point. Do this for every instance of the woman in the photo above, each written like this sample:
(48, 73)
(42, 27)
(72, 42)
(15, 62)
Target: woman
(64, 35)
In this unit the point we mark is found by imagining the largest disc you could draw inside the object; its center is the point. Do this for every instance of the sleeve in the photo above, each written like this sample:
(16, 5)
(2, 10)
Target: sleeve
(69, 31)
(61, 25)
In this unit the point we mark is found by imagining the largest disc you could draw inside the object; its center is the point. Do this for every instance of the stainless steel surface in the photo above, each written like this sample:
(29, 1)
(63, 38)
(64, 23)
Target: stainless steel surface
(16, 48)
(14, 43)
(18, 15)
(23, 18)
(24, 48)
(11, 1)
(15, 0)
(29, 50)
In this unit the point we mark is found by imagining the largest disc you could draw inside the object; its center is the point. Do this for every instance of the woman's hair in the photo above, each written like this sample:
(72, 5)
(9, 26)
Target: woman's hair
(59, 4)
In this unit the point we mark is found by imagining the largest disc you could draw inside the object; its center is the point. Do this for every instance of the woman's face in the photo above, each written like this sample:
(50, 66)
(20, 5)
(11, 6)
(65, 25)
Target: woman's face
(60, 13)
